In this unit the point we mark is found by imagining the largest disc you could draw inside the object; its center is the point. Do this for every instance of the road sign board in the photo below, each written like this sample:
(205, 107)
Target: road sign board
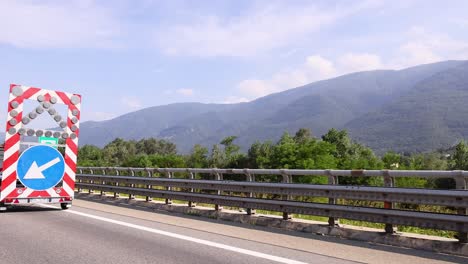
(18, 127)
(48, 141)
(40, 167)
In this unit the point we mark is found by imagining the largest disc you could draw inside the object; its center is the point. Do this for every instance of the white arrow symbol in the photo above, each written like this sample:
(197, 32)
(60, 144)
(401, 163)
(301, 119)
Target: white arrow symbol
(35, 172)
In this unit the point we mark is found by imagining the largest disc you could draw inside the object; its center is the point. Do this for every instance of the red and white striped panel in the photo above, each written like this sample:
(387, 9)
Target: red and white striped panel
(18, 94)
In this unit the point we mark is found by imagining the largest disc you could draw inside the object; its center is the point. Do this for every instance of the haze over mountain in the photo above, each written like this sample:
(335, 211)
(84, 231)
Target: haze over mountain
(415, 109)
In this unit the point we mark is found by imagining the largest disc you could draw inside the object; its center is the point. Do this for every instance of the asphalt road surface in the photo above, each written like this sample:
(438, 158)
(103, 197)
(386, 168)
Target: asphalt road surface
(94, 232)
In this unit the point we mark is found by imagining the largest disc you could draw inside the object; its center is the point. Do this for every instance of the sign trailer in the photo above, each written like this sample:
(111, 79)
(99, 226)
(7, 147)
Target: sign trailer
(41, 173)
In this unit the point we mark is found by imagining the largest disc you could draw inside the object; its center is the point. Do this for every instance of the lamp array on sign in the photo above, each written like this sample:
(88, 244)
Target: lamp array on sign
(40, 133)
(46, 105)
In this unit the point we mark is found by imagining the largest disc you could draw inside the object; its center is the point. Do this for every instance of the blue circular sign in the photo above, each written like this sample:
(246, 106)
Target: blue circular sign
(40, 167)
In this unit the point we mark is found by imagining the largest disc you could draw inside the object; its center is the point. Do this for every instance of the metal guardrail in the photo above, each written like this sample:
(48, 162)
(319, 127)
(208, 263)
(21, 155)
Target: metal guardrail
(354, 173)
(244, 193)
(452, 198)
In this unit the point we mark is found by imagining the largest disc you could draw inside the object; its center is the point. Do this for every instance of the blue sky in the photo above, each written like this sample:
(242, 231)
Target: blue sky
(124, 55)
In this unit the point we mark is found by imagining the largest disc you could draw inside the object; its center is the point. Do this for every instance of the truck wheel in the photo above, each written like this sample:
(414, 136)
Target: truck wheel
(65, 206)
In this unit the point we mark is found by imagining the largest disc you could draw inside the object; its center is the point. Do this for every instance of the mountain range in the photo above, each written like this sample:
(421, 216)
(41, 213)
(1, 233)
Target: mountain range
(417, 109)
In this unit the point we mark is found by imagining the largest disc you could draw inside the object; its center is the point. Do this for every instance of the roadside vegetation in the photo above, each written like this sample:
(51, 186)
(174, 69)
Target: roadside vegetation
(334, 150)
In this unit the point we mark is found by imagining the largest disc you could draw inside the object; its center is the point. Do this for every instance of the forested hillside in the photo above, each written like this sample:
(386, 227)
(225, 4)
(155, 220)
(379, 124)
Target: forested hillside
(433, 115)
(415, 109)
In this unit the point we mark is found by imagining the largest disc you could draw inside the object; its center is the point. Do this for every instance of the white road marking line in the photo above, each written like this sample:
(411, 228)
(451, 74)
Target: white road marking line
(187, 238)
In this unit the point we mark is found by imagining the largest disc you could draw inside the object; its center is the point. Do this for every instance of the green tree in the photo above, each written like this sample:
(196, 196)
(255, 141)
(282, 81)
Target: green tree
(352, 155)
(341, 141)
(459, 159)
(229, 147)
(391, 160)
(138, 161)
(152, 146)
(89, 156)
(217, 158)
(284, 153)
(167, 161)
(315, 155)
(233, 157)
(198, 158)
(303, 136)
(425, 161)
(259, 155)
(118, 151)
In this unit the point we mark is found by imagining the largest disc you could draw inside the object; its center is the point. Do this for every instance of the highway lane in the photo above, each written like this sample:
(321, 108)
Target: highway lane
(42, 235)
(98, 233)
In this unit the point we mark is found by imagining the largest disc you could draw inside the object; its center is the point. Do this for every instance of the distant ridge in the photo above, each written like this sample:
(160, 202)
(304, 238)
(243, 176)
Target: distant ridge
(373, 105)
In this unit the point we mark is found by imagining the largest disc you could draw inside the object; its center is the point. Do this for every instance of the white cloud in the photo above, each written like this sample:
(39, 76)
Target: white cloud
(185, 92)
(131, 102)
(318, 68)
(463, 23)
(315, 68)
(256, 88)
(418, 53)
(419, 46)
(235, 100)
(34, 24)
(259, 30)
(288, 53)
(422, 46)
(353, 62)
(99, 116)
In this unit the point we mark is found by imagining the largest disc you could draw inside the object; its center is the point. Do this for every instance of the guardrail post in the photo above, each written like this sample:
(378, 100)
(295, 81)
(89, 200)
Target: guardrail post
(169, 188)
(461, 185)
(103, 193)
(250, 178)
(131, 196)
(192, 177)
(332, 180)
(219, 177)
(389, 182)
(91, 181)
(117, 173)
(286, 179)
(80, 181)
(150, 174)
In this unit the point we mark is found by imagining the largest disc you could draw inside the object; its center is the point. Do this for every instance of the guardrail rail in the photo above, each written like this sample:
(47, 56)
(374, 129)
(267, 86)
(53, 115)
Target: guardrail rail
(289, 197)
